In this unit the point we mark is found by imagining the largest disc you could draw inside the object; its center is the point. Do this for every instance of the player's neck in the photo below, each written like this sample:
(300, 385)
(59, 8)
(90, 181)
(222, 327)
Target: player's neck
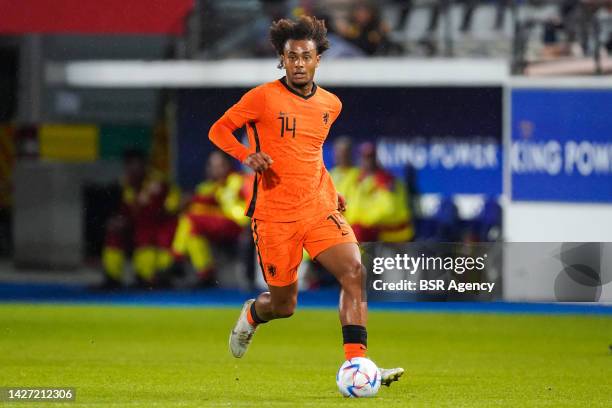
(304, 90)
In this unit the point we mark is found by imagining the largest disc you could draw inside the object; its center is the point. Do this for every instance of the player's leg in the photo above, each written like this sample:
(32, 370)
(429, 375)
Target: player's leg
(278, 303)
(279, 252)
(332, 243)
(343, 261)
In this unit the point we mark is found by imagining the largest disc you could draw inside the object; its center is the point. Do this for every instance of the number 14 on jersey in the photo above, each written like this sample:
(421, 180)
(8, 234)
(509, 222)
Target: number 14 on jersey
(287, 124)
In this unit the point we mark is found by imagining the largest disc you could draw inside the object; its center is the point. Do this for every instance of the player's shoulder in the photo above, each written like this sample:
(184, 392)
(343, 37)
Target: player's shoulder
(265, 90)
(333, 98)
(258, 91)
(327, 94)
(268, 86)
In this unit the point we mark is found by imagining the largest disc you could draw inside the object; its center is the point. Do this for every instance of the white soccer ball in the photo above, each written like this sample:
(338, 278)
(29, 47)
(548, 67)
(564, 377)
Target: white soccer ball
(358, 377)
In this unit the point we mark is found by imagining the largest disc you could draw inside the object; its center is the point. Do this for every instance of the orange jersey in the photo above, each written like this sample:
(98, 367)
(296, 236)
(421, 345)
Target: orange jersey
(291, 128)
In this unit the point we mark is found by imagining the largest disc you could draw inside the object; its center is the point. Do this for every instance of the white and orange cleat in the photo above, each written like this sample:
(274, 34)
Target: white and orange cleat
(389, 375)
(242, 333)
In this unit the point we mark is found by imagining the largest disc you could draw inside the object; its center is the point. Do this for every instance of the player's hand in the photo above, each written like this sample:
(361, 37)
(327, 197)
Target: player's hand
(341, 203)
(258, 161)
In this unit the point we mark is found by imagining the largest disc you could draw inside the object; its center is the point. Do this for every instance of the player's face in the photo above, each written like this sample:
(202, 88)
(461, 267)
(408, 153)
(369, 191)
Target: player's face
(301, 60)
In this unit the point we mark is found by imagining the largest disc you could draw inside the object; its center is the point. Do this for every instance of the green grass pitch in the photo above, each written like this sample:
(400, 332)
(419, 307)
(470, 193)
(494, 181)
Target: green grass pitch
(160, 357)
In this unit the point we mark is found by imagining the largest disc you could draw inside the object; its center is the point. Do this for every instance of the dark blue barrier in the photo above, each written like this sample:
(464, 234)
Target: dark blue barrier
(326, 298)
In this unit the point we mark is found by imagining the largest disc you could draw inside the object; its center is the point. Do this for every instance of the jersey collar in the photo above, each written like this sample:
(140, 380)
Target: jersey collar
(283, 81)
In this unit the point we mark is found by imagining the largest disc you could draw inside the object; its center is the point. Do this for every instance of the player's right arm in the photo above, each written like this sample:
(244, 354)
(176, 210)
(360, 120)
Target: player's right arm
(248, 109)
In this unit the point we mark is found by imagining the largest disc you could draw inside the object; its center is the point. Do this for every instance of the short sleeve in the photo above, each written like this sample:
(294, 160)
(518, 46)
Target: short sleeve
(249, 108)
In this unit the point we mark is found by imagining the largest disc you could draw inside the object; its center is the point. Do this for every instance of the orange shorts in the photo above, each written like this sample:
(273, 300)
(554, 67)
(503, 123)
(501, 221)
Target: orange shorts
(280, 244)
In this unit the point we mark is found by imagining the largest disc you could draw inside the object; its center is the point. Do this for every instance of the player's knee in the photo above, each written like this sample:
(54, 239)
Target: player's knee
(353, 272)
(284, 309)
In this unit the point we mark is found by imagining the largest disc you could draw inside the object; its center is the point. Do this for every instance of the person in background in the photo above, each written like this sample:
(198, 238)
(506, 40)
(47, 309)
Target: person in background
(377, 204)
(271, 10)
(562, 30)
(214, 215)
(366, 30)
(143, 225)
(344, 173)
(339, 46)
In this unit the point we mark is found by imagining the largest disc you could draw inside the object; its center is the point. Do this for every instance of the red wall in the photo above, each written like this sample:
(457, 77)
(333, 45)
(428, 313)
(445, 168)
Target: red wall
(89, 17)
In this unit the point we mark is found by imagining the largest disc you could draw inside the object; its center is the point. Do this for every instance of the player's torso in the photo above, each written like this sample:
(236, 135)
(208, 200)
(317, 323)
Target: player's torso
(292, 131)
(293, 127)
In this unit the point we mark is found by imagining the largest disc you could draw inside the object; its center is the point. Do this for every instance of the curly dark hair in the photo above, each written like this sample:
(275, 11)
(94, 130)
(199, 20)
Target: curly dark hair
(305, 28)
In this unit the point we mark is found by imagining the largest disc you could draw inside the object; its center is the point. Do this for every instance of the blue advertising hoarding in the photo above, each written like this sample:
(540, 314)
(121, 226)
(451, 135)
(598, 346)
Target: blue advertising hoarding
(446, 165)
(561, 145)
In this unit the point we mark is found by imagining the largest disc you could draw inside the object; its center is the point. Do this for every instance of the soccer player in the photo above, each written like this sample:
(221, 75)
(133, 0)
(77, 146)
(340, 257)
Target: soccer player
(294, 205)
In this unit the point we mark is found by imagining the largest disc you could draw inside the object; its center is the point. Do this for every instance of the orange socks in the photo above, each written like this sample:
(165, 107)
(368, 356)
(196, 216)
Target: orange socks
(252, 317)
(352, 350)
(355, 341)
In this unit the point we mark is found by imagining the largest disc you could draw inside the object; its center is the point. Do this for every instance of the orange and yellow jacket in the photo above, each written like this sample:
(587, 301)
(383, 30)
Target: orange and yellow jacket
(380, 201)
(157, 198)
(225, 198)
(345, 178)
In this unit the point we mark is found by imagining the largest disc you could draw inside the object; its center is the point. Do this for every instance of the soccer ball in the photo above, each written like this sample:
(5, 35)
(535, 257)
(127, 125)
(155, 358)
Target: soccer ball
(358, 377)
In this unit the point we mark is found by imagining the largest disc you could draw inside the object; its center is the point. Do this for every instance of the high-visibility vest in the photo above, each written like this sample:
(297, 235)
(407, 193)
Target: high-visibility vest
(369, 199)
(221, 198)
(380, 201)
(344, 178)
(156, 197)
(398, 226)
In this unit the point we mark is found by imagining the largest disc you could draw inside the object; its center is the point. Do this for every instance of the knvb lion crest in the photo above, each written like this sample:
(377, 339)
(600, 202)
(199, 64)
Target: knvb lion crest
(271, 269)
(326, 117)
